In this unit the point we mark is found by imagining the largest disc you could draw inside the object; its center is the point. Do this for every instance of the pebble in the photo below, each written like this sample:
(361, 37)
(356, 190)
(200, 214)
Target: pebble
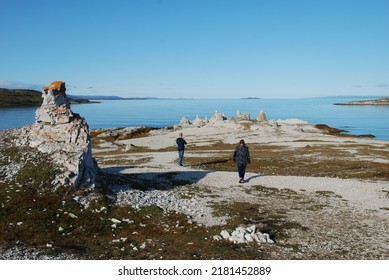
(116, 221)
(169, 201)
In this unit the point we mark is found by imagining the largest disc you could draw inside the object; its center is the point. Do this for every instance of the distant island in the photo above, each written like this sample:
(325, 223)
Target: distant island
(110, 97)
(28, 97)
(380, 101)
(250, 98)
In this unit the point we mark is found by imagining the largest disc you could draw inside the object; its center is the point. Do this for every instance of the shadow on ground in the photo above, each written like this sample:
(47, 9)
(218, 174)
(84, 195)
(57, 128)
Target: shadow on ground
(114, 179)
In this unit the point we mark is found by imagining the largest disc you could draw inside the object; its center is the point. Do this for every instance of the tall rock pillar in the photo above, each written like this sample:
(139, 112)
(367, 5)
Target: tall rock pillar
(65, 137)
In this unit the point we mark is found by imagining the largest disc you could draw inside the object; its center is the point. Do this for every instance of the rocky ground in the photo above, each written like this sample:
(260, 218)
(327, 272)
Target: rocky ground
(317, 197)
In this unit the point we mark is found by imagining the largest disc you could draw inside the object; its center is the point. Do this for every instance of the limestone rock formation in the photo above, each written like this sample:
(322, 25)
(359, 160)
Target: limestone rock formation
(217, 117)
(262, 117)
(184, 122)
(65, 137)
(55, 108)
(197, 121)
(241, 117)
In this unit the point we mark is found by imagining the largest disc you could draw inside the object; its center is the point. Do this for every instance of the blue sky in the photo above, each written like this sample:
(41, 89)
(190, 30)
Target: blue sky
(197, 48)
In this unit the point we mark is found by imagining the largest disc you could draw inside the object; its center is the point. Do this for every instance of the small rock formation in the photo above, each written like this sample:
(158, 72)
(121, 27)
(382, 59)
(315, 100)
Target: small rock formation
(184, 122)
(241, 117)
(217, 117)
(262, 117)
(197, 121)
(64, 136)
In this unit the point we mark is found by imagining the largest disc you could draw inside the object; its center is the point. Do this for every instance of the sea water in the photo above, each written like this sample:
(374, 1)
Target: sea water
(167, 112)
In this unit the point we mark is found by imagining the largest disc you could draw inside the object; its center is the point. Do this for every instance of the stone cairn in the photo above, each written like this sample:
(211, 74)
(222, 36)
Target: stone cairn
(65, 137)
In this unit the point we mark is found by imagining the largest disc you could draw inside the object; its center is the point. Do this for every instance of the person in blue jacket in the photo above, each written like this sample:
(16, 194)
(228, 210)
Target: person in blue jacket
(241, 158)
(181, 148)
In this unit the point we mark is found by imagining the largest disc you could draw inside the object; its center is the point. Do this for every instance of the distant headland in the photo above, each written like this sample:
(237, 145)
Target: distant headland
(380, 101)
(111, 97)
(29, 97)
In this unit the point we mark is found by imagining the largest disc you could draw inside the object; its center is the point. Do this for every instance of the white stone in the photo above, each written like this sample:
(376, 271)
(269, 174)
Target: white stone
(116, 221)
(217, 237)
(225, 234)
(248, 237)
(261, 237)
(71, 215)
(251, 229)
(255, 237)
(237, 239)
(267, 237)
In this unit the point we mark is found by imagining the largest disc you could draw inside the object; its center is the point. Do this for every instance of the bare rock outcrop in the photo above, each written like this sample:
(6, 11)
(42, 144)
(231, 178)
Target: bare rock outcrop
(217, 117)
(197, 121)
(65, 137)
(184, 122)
(262, 117)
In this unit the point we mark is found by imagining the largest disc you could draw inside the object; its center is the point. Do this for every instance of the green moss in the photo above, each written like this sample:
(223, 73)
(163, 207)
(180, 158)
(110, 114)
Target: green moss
(36, 174)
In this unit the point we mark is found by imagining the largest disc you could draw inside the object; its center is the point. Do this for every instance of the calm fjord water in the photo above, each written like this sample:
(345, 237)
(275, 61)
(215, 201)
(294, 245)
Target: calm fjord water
(167, 112)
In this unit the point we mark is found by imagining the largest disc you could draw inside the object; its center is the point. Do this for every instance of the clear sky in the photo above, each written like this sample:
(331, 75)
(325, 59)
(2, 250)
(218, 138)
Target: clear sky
(197, 48)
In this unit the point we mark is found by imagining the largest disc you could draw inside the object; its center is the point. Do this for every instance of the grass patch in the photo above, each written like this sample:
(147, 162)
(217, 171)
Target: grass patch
(36, 174)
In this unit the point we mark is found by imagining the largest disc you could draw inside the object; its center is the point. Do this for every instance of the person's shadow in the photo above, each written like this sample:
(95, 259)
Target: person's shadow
(254, 176)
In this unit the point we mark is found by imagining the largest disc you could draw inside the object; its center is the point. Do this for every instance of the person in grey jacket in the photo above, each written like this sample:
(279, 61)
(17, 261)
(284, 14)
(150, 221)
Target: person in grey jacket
(180, 147)
(241, 158)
